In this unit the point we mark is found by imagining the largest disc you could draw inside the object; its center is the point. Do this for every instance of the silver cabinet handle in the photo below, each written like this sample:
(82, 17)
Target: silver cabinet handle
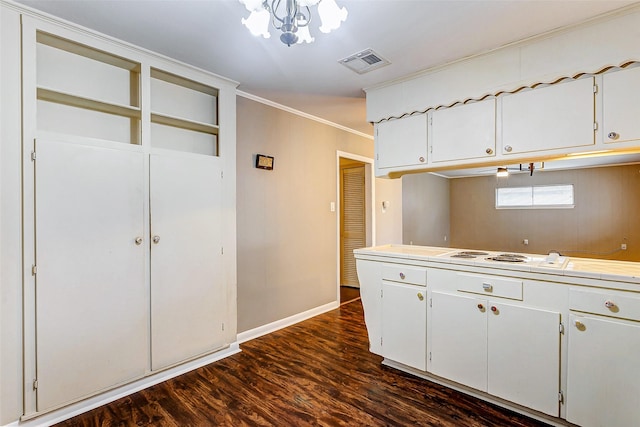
(421, 159)
(156, 239)
(508, 148)
(138, 240)
(489, 151)
(609, 304)
(487, 287)
(613, 135)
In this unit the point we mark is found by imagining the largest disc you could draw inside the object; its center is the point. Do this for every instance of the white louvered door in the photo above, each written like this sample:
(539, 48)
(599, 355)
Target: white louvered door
(352, 227)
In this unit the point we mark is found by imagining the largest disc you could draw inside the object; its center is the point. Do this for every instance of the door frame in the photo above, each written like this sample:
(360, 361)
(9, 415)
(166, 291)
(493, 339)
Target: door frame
(370, 206)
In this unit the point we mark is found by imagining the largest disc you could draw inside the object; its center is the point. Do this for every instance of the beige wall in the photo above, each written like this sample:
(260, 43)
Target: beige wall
(607, 203)
(389, 219)
(287, 235)
(425, 210)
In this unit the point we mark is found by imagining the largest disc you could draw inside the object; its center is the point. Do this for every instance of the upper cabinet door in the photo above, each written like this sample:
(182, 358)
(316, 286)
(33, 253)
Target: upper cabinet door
(401, 142)
(555, 117)
(621, 105)
(464, 132)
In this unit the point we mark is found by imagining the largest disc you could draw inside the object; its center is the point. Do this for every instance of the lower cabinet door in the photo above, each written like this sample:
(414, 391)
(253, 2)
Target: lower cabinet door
(459, 339)
(524, 356)
(188, 295)
(603, 379)
(404, 324)
(91, 299)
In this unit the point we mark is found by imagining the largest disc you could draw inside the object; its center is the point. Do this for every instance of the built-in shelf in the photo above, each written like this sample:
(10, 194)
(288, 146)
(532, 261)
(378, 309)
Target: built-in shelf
(178, 122)
(45, 94)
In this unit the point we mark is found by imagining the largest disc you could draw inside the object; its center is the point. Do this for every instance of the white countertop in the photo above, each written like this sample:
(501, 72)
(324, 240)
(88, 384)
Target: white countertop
(621, 271)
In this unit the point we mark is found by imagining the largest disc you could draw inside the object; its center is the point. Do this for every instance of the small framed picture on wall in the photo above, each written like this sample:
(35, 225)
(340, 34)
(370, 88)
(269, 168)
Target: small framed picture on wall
(264, 162)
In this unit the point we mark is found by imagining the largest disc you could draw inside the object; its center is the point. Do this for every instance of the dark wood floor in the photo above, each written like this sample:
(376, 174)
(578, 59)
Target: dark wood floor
(315, 373)
(348, 294)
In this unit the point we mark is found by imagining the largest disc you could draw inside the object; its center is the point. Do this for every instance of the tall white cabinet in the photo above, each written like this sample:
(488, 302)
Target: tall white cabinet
(128, 216)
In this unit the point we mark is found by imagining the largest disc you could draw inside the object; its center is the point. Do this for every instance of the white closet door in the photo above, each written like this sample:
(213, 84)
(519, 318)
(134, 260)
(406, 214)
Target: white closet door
(188, 300)
(91, 312)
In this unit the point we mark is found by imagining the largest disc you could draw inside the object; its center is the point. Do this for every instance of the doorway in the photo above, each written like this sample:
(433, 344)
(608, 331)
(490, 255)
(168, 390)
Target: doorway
(355, 220)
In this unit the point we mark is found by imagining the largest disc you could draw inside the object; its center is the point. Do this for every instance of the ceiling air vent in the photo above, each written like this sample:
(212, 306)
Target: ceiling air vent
(364, 61)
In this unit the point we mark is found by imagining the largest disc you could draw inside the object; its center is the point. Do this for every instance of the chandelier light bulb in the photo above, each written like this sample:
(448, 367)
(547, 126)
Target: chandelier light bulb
(304, 36)
(258, 23)
(331, 15)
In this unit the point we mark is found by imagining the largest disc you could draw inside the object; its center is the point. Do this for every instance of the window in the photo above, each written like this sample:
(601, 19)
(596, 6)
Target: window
(535, 197)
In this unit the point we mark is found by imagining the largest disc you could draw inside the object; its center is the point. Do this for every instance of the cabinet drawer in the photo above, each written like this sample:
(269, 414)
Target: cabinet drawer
(405, 274)
(490, 286)
(618, 304)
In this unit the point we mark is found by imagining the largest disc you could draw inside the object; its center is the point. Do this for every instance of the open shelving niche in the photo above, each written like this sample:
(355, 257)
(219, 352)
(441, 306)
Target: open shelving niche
(69, 101)
(183, 112)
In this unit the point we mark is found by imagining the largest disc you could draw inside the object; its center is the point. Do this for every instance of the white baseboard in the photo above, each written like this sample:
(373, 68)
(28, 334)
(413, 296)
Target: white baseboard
(85, 405)
(283, 323)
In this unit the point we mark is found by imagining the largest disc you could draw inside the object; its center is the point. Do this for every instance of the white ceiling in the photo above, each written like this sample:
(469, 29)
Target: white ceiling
(413, 34)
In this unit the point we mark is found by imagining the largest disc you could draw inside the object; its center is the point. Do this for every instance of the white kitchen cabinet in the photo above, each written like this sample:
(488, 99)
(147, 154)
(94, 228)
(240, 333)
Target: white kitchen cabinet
(188, 303)
(603, 380)
(458, 336)
(404, 323)
(559, 116)
(401, 143)
(509, 351)
(524, 356)
(369, 272)
(91, 320)
(463, 132)
(621, 105)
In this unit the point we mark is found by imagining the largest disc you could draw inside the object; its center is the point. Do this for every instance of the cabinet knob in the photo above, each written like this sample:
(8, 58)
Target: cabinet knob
(138, 240)
(489, 151)
(420, 296)
(156, 239)
(613, 135)
(480, 307)
(508, 148)
(402, 276)
(579, 325)
(609, 304)
(421, 159)
(487, 287)
(494, 309)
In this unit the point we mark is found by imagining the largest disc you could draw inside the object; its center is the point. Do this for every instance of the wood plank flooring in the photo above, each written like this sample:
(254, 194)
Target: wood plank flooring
(316, 373)
(348, 294)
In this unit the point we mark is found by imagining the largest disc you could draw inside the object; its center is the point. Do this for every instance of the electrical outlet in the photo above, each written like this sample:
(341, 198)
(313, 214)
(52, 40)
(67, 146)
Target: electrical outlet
(525, 241)
(623, 246)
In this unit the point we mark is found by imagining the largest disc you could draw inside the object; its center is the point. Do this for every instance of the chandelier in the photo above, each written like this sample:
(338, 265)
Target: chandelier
(292, 18)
